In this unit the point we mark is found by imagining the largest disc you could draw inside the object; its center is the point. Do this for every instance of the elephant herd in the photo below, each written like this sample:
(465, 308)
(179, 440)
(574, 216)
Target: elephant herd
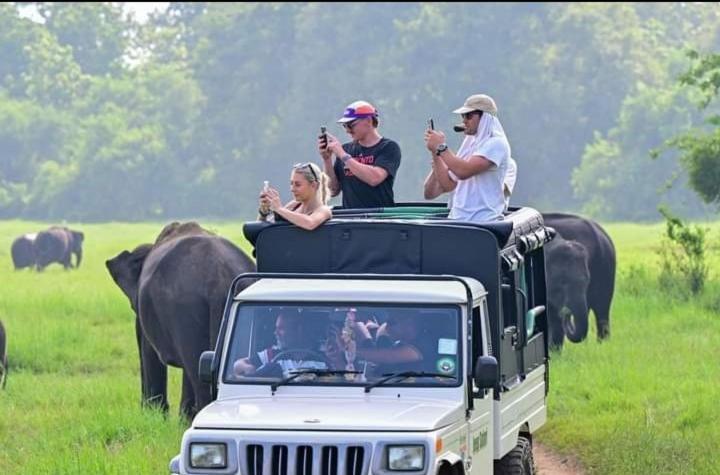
(55, 244)
(177, 287)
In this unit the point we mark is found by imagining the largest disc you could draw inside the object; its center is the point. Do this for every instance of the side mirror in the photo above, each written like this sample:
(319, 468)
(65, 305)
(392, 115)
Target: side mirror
(486, 372)
(205, 372)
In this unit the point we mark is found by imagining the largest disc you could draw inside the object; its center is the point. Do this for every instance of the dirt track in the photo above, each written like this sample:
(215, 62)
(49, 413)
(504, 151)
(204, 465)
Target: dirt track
(550, 463)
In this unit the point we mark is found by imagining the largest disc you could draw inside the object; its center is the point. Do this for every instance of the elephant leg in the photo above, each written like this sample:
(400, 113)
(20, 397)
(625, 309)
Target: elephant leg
(67, 262)
(602, 320)
(188, 406)
(153, 373)
(196, 395)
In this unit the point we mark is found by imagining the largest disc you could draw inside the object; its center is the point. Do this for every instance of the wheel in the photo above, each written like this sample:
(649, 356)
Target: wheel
(519, 461)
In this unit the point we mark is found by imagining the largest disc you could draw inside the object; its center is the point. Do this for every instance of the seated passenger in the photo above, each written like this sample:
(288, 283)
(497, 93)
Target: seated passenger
(293, 350)
(397, 347)
(308, 209)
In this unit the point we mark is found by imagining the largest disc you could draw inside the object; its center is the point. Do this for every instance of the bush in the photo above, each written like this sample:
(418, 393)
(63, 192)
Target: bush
(682, 256)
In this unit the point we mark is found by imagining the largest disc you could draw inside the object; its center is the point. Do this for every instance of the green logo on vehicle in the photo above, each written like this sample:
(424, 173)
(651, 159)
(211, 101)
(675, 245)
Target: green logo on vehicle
(446, 365)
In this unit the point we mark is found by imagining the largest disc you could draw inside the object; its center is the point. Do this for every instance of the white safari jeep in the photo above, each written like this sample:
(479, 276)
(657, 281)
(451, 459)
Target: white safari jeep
(383, 346)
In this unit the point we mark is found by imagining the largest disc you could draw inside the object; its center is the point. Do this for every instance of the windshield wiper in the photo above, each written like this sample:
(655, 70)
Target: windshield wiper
(317, 372)
(403, 375)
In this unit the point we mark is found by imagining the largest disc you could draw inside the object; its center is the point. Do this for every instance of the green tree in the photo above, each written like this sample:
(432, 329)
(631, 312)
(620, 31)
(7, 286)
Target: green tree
(701, 147)
(95, 32)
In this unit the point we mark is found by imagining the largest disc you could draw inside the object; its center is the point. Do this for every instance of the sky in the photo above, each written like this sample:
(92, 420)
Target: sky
(141, 10)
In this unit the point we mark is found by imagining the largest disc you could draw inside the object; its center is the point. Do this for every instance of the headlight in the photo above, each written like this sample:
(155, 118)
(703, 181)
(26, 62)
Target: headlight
(207, 455)
(406, 458)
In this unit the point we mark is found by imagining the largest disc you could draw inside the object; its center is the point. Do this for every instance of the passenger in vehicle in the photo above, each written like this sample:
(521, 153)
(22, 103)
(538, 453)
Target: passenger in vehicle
(308, 209)
(397, 347)
(475, 173)
(293, 350)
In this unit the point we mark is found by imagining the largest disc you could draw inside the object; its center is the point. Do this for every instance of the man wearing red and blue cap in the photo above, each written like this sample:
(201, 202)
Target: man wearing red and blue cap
(365, 168)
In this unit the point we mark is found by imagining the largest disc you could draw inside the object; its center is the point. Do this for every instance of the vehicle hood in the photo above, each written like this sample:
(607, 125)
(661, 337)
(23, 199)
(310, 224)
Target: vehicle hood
(309, 413)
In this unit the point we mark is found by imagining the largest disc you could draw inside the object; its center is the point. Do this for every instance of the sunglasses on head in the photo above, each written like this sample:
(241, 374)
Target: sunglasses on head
(299, 166)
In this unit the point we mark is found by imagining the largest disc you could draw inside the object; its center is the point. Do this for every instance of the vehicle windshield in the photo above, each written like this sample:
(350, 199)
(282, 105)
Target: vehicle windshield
(315, 344)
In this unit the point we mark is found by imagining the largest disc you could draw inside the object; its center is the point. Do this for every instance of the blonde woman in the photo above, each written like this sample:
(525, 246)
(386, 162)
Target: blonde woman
(309, 209)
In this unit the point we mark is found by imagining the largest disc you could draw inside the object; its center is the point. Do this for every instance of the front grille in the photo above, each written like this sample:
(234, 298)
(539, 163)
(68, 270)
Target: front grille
(277, 459)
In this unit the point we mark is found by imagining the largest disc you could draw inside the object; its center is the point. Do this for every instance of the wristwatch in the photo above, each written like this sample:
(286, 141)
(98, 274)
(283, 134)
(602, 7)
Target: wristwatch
(441, 148)
(345, 158)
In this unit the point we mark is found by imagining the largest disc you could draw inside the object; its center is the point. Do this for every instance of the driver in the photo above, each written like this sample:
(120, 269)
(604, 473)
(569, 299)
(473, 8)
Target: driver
(292, 349)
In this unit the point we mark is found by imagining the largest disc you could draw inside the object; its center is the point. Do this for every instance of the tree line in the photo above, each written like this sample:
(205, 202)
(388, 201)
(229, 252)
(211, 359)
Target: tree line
(103, 117)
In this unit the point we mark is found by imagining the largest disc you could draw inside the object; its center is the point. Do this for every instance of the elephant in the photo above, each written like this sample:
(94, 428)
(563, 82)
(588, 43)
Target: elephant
(568, 277)
(177, 288)
(57, 244)
(23, 251)
(601, 265)
(3, 357)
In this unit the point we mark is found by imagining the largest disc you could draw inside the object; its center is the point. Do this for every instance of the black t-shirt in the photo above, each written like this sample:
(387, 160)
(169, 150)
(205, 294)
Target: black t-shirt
(358, 194)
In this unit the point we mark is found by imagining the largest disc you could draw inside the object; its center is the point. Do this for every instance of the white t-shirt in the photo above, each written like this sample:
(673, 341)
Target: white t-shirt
(510, 178)
(480, 198)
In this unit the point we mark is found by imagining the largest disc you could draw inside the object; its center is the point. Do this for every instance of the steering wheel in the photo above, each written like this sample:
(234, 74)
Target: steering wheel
(301, 354)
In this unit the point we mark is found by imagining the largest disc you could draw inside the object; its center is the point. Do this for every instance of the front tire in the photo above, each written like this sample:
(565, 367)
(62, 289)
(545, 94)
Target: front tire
(519, 461)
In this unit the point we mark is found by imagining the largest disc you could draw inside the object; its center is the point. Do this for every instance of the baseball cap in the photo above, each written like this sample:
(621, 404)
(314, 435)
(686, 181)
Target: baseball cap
(358, 110)
(478, 102)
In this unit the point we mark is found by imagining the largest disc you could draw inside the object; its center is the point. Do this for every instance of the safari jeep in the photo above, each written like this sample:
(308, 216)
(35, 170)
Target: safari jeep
(451, 377)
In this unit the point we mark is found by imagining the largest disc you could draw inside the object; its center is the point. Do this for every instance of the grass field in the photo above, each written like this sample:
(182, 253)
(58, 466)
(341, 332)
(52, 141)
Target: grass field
(642, 402)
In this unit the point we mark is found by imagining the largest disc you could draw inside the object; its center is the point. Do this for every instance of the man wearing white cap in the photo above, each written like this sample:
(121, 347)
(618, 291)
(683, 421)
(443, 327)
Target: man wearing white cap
(476, 173)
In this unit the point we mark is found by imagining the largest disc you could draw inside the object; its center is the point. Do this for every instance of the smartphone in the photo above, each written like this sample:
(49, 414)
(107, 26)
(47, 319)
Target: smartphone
(266, 185)
(431, 124)
(323, 136)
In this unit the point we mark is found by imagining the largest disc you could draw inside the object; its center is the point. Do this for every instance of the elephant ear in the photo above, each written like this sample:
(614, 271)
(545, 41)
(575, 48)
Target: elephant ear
(78, 236)
(125, 269)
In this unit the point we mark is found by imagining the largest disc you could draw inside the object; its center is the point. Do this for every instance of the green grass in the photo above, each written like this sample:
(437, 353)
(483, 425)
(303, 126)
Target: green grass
(642, 402)
(72, 402)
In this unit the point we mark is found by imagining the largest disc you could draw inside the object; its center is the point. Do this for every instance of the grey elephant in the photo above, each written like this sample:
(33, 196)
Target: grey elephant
(3, 357)
(601, 266)
(23, 251)
(177, 288)
(58, 244)
(568, 277)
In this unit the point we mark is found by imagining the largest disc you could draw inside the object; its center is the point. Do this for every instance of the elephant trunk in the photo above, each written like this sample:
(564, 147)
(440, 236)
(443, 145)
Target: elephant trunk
(575, 323)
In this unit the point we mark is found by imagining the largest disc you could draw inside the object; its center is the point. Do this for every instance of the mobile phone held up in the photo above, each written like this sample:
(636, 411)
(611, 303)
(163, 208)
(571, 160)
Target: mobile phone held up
(323, 136)
(431, 124)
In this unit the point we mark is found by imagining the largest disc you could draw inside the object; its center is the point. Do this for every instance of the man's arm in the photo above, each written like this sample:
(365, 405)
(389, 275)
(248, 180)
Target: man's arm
(464, 169)
(328, 168)
(370, 174)
(438, 180)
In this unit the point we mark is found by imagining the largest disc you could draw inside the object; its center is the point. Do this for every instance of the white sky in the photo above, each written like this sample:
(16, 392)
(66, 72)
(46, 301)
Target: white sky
(140, 9)
(143, 9)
